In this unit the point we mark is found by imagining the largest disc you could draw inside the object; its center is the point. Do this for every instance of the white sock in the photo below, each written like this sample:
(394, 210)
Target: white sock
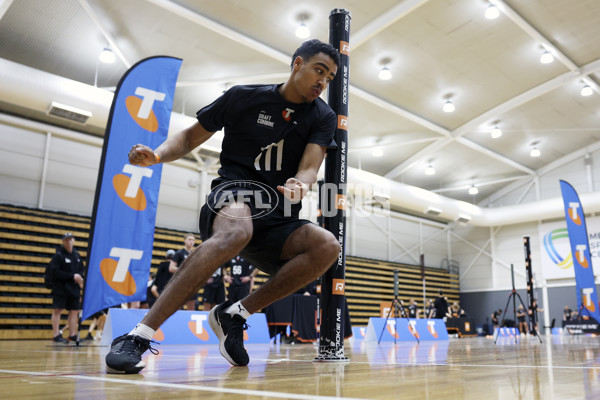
(144, 331)
(238, 308)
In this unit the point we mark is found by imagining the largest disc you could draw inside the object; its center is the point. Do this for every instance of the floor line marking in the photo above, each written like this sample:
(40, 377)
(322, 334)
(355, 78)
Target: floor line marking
(279, 395)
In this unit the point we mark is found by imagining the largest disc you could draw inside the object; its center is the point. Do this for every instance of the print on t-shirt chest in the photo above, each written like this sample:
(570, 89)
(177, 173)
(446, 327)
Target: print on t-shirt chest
(266, 117)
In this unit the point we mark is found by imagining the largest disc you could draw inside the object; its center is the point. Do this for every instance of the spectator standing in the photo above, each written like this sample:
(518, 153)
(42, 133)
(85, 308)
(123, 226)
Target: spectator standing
(67, 281)
(441, 306)
(413, 309)
(240, 276)
(214, 289)
(163, 274)
(567, 315)
(188, 245)
(430, 309)
(496, 318)
(521, 314)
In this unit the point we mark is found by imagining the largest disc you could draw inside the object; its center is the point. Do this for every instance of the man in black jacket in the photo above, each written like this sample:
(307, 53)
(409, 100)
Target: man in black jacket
(67, 280)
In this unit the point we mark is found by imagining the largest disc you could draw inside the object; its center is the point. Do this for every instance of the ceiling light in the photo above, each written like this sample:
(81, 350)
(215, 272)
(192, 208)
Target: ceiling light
(546, 57)
(385, 74)
(473, 190)
(535, 152)
(377, 152)
(302, 31)
(448, 106)
(492, 12)
(496, 132)
(107, 56)
(430, 170)
(587, 91)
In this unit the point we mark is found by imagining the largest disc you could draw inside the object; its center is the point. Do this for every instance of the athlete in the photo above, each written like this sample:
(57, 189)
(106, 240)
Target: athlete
(275, 138)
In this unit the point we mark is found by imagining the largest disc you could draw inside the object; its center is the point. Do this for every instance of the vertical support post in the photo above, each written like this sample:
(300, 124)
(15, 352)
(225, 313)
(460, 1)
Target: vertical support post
(530, 293)
(331, 341)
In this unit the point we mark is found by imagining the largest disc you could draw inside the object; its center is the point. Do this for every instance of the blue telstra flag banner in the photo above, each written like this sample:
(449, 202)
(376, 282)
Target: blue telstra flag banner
(587, 295)
(124, 215)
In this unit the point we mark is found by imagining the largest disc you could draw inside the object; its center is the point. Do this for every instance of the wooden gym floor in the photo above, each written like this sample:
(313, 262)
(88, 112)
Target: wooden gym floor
(467, 368)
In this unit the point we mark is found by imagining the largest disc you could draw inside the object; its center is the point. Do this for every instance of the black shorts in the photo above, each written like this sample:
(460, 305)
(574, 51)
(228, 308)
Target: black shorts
(66, 302)
(236, 293)
(213, 295)
(270, 231)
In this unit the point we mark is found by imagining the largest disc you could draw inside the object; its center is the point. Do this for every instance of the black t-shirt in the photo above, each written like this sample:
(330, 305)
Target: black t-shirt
(412, 311)
(239, 268)
(65, 265)
(265, 135)
(441, 307)
(162, 275)
(180, 256)
(217, 278)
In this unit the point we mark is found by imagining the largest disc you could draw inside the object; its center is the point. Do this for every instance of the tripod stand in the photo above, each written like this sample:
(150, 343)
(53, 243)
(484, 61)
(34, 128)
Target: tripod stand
(512, 296)
(398, 308)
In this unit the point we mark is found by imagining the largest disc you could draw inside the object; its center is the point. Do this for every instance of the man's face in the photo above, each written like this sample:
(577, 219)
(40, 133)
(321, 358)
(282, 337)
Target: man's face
(189, 242)
(68, 244)
(313, 75)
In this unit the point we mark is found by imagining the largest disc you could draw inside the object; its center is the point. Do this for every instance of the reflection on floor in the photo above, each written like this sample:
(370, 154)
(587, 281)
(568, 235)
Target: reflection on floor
(559, 368)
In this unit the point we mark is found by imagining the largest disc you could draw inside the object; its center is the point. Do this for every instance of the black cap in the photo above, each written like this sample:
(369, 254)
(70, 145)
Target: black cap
(67, 235)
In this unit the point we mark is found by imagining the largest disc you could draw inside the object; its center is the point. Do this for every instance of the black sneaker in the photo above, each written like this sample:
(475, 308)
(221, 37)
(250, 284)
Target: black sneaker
(125, 355)
(88, 337)
(230, 331)
(59, 339)
(72, 339)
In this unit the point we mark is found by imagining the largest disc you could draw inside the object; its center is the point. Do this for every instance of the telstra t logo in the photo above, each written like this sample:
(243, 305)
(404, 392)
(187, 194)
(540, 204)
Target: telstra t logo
(580, 255)
(116, 272)
(574, 212)
(587, 299)
(196, 326)
(128, 188)
(391, 327)
(140, 109)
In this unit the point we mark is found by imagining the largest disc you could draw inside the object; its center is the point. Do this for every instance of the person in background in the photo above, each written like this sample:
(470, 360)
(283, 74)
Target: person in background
(521, 318)
(163, 274)
(567, 315)
(98, 320)
(454, 310)
(413, 309)
(430, 309)
(533, 316)
(188, 245)
(150, 297)
(240, 276)
(214, 289)
(441, 306)
(496, 319)
(67, 281)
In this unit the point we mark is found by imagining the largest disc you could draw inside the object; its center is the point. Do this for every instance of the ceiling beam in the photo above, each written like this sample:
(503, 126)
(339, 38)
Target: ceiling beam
(533, 33)
(417, 157)
(109, 38)
(398, 111)
(514, 102)
(221, 29)
(508, 161)
(383, 21)
(479, 184)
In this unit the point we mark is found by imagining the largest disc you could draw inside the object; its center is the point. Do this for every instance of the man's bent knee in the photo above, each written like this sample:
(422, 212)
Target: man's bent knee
(328, 248)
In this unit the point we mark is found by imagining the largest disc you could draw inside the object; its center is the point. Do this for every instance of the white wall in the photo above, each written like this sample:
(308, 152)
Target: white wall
(72, 171)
